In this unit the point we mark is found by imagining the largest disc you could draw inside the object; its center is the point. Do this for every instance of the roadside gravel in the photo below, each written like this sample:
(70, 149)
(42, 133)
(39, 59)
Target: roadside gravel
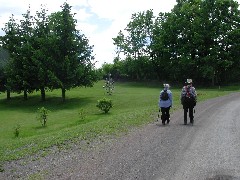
(210, 149)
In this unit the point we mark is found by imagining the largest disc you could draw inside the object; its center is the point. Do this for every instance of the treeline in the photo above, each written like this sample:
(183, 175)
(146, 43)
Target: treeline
(45, 52)
(197, 39)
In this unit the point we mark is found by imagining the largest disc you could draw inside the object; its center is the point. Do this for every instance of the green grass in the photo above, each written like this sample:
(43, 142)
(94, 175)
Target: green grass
(134, 104)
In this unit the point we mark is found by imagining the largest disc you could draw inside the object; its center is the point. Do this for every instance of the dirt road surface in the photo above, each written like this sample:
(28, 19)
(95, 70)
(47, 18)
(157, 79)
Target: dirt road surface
(208, 150)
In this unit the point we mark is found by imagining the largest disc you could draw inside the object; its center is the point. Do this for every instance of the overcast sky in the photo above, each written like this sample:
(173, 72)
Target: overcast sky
(99, 20)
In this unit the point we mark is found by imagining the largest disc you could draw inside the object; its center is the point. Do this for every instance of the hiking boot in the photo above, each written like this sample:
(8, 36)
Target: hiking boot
(185, 122)
(191, 122)
(163, 122)
(168, 121)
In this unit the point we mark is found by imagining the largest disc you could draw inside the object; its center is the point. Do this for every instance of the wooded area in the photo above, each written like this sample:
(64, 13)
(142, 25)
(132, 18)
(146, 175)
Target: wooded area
(198, 39)
(46, 53)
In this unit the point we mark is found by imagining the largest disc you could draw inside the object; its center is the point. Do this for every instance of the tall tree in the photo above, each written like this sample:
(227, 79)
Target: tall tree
(72, 53)
(21, 70)
(11, 42)
(136, 43)
(26, 66)
(42, 42)
(222, 19)
(4, 60)
(198, 37)
(160, 49)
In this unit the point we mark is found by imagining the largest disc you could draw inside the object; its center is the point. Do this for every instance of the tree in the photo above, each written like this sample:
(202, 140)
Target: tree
(222, 20)
(47, 52)
(197, 39)
(17, 41)
(11, 42)
(136, 43)
(26, 66)
(160, 49)
(42, 57)
(71, 51)
(197, 36)
(4, 60)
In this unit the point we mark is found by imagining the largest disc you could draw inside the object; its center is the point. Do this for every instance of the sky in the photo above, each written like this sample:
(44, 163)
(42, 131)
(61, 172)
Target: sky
(98, 20)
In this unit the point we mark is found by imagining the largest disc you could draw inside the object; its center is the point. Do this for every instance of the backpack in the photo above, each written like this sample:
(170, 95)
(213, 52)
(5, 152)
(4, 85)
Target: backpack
(188, 98)
(164, 95)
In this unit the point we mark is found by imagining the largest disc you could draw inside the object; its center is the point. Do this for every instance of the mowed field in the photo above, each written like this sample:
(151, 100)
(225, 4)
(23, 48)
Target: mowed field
(78, 118)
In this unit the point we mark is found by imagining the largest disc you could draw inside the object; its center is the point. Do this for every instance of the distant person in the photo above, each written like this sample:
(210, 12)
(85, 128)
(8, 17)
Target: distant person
(165, 103)
(188, 100)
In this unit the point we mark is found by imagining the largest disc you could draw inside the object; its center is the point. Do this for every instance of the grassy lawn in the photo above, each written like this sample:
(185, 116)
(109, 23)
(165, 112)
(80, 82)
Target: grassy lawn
(134, 104)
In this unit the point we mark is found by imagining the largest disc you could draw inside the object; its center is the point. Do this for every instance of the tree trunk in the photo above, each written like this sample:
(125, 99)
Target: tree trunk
(25, 95)
(8, 95)
(43, 94)
(63, 94)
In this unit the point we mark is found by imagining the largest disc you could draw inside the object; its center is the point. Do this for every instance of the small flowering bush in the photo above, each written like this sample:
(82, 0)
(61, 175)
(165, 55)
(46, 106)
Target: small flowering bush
(105, 104)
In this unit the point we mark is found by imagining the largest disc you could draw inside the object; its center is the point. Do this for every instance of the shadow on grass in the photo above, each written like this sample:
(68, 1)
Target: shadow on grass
(140, 84)
(51, 103)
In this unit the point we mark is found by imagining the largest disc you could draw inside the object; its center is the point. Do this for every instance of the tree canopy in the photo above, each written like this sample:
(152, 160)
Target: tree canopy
(197, 39)
(47, 52)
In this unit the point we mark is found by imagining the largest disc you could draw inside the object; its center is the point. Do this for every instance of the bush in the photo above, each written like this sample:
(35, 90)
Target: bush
(82, 114)
(104, 104)
(42, 115)
(17, 130)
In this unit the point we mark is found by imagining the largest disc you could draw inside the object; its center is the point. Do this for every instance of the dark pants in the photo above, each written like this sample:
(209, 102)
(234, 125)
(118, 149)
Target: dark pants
(165, 114)
(188, 109)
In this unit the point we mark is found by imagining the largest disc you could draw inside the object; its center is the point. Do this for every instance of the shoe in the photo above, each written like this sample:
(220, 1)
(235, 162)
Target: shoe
(168, 121)
(191, 122)
(185, 122)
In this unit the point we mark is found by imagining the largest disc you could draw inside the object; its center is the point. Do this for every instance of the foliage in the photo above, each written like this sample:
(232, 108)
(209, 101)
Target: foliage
(109, 84)
(135, 45)
(82, 114)
(104, 104)
(4, 60)
(17, 130)
(47, 52)
(197, 39)
(74, 55)
(42, 115)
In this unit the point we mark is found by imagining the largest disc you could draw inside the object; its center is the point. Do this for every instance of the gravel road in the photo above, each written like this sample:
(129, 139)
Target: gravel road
(208, 150)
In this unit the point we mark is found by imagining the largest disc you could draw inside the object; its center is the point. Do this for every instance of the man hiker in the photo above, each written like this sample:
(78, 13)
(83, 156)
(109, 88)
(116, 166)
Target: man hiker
(188, 100)
(165, 103)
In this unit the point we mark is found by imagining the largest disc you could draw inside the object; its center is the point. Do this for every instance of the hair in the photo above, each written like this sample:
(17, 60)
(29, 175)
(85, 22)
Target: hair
(166, 86)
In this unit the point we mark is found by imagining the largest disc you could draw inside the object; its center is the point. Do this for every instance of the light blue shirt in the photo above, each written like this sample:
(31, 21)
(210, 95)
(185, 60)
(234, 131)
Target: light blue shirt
(167, 103)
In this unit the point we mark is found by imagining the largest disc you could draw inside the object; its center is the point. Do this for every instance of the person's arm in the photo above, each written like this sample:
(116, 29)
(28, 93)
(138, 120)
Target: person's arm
(194, 92)
(159, 101)
(171, 98)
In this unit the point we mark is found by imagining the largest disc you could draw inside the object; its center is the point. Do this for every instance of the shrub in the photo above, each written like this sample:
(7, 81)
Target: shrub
(104, 104)
(82, 114)
(17, 130)
(42, 115)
